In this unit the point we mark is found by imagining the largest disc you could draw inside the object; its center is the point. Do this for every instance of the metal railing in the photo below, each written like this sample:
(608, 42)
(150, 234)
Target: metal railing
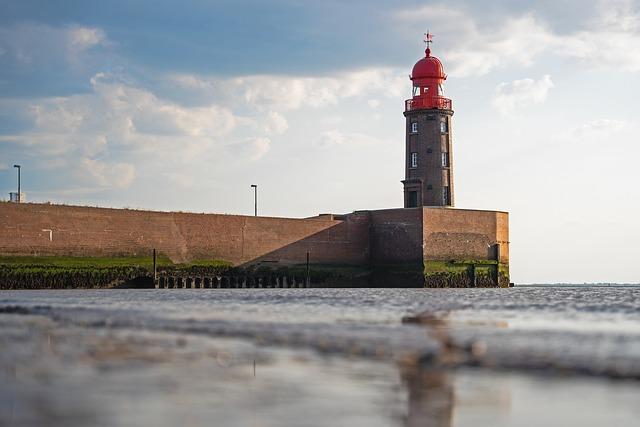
(426, 103)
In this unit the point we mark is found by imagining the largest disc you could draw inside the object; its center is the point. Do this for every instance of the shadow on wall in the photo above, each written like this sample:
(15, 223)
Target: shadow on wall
(367, 248)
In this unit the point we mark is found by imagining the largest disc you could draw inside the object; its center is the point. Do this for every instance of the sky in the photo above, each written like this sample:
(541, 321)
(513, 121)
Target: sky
(169, 105)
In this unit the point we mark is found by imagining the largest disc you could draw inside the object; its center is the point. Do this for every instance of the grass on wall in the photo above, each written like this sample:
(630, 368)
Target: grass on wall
(54, 272)
(458, 266)
(105, 262)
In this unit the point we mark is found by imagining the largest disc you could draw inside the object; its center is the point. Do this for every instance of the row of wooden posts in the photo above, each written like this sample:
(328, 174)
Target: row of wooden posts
(230, 282)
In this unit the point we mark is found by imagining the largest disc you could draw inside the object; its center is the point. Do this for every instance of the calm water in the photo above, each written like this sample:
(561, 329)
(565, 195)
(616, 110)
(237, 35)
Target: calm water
(316, 357)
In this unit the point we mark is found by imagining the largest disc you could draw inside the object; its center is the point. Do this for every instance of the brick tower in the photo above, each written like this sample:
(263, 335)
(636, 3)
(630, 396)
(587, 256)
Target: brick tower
(429, 161)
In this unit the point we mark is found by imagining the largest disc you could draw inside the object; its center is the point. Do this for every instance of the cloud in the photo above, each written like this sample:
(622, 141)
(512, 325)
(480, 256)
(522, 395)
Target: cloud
(122, 114)
(335, 137)
(517, 94)
(595, 128)
(275, 123)
(373, 103)
(117, 126)
(477, 51)
(39, 44)
(330, 138)
(250, 149)
(599, 126)
(611, 39)
(182, 180)
(81, 39)
(278, 92)
(117, 174)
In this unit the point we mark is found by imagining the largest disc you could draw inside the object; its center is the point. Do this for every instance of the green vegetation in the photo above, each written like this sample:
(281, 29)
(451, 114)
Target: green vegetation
(207, 263)
(84, 262)
(16, 276)
(49, 272)
(460, 273)
(162, 261)
(53, 272)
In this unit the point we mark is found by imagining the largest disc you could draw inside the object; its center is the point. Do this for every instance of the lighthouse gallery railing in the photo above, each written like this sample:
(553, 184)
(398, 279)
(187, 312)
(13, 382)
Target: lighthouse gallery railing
(426, 103)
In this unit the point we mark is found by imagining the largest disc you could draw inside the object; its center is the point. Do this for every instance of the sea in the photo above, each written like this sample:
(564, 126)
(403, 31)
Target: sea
(524, 356)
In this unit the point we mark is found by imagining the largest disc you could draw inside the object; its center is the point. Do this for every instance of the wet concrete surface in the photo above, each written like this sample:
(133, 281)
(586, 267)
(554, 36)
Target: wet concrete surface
(320, 357)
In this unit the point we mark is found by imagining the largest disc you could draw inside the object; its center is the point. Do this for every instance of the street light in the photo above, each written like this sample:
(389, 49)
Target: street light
(19, 196)
(255, 199)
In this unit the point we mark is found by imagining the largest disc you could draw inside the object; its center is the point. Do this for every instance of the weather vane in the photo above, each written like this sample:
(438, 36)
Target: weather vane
(428, 39)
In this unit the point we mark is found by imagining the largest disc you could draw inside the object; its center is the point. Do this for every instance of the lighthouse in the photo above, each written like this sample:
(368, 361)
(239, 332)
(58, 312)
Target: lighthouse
(428, 160)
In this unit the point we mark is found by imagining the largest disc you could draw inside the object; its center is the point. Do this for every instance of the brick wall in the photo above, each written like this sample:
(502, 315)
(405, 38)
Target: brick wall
(396, 236)
(87, 231)
(363, 238)
(465, 234)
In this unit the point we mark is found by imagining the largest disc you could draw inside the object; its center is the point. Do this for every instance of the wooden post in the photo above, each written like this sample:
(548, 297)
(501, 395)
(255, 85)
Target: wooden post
(498, 264)
(308, 273)
(474, 278)
(155, 271)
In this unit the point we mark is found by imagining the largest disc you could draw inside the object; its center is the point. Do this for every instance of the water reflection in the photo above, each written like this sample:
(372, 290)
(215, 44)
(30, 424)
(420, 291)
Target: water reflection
(430, 397)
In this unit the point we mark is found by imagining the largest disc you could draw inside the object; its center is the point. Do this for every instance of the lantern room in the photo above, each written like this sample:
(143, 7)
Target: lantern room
(427, 77)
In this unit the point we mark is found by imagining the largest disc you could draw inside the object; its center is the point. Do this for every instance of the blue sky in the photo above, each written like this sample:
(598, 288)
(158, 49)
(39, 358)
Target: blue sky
(183, 105)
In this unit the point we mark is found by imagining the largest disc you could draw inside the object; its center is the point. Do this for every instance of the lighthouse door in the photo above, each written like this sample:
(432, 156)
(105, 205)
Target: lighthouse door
(412, 202)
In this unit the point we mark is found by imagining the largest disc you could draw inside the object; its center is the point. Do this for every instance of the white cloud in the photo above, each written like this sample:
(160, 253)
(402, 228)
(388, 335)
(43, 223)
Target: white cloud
(611, 39)
(330, 138)
(335, 137)
(80, 39)
(277, 92)
(250, 149)
(599, 126)
(275, 123)
(594, 130)
(117, 174)
(477, 51)
(118, 127)
(521, 93)
(118, 114)
(182, 180)
(39, 44)
(140, 111)
(373, 103)
(111, 129)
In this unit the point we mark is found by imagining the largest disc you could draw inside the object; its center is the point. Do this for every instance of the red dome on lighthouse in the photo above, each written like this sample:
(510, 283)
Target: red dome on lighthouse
(428, 67)
(427, 78)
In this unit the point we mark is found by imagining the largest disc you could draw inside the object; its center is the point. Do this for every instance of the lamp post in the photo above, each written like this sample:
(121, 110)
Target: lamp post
(19, 195)
(255, 199)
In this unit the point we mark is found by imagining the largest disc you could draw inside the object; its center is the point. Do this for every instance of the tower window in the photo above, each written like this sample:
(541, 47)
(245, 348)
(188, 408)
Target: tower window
(446, 196)
(445, 160)
(443, 127)
(414, 127)
(414, 160)
(416, 90)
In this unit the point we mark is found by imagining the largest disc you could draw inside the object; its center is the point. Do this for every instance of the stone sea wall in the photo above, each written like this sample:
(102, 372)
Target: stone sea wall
(434, 247)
